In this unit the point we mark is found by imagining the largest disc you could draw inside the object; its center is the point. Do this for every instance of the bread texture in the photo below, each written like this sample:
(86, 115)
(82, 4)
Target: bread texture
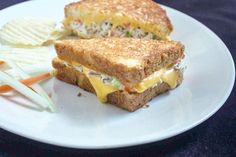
(122, 99)
(127, 59)
(144, 14)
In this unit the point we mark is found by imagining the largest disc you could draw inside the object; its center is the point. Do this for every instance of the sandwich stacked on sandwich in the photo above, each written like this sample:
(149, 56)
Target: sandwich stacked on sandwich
(126, 72)
(117, 18)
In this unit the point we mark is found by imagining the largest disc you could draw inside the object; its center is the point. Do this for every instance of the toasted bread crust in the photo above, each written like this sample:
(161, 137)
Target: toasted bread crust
(141, 11)
(129, 60)
(125, 100)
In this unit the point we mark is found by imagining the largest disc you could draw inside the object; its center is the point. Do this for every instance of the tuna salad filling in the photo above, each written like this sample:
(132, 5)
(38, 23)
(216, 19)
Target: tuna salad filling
(106, 29)
(105, 79)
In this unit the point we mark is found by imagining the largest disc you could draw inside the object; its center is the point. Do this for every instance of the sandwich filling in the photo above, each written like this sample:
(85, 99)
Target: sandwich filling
(104, 85)
(108, 29)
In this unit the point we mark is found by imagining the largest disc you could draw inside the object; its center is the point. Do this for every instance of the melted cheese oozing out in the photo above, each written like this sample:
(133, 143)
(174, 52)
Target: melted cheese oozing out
(149, 82)
(169, 76)
(101, 89)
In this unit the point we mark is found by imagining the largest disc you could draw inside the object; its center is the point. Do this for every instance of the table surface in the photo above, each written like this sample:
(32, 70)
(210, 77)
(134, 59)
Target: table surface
(214, 137)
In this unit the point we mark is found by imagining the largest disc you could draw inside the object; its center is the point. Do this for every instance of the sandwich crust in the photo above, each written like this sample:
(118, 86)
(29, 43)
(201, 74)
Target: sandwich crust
(122, 99)
(128, 60)
(142, 13)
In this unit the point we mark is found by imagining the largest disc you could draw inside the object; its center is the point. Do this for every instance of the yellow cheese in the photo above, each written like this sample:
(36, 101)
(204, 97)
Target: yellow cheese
(169, 76)
(101, 89)
(149, 82)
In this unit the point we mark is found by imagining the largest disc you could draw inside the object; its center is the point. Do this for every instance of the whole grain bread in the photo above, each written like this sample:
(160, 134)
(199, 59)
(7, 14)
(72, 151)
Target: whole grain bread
(127, 59)
(122, 99)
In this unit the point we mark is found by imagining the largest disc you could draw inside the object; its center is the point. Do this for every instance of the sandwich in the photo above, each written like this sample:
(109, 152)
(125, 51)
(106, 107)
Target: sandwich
(117, 18)
(126, 72)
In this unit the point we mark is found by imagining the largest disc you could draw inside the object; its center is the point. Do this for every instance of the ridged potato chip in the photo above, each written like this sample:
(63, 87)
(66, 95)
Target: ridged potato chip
(26, 56)
(30, 32)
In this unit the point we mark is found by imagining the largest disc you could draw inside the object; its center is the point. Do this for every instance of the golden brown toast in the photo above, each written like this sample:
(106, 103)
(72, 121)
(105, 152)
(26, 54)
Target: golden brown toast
(127, 59)
(146, 15)
(123, 99)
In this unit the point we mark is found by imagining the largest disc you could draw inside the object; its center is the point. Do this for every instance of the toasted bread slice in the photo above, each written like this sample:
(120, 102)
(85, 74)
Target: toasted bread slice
(118, 18)
(123, 99)
(127, 59)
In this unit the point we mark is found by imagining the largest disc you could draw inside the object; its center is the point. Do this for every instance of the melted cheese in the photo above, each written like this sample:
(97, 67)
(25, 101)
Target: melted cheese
(169, 76)
(149, 81)
(101, 89)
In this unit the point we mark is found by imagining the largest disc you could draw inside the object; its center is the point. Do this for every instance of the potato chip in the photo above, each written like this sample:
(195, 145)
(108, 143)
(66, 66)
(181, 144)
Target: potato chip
(26, 56)
(30, 32)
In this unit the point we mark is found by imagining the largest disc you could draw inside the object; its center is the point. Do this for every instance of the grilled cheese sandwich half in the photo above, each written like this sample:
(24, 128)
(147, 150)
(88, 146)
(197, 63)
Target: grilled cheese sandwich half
(120, 70)
(118, 18)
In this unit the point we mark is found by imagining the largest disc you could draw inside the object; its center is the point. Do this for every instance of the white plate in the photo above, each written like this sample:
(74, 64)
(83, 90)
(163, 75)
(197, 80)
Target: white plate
(85, 123)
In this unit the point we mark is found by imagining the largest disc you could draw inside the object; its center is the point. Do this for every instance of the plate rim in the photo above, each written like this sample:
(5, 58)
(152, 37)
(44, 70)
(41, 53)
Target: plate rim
(147, 139)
